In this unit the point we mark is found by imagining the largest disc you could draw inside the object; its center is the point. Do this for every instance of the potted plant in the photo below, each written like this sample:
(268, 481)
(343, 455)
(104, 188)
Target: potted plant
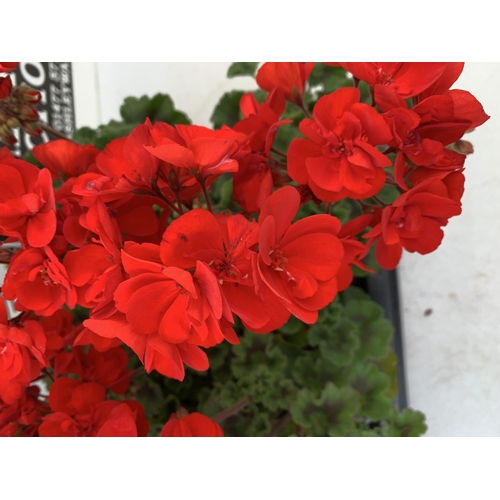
(177, 280)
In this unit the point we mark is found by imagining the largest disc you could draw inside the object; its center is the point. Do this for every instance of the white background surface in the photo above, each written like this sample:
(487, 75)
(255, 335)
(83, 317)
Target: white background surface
(452, 355)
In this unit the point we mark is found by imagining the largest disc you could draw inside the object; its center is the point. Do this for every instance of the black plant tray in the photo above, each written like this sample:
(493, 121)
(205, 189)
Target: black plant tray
(383, 289)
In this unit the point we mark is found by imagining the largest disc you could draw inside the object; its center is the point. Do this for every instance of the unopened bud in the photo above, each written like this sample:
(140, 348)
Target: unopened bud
(5, 87)
(32, 128)
(26, 112)
(6, 135)
(28, 94)
(13, 122)
(464, 147)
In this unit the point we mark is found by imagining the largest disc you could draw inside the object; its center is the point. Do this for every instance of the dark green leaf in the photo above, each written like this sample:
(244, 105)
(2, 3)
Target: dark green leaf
(242, 69)
(227, 111)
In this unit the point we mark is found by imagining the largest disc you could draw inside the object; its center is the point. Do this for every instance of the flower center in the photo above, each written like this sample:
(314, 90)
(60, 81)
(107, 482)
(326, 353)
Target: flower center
(45, 277)
(278, 260)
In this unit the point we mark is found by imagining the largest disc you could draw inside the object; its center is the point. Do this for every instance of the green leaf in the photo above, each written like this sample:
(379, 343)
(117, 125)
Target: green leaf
(257, 382)
(135, 110)
(408, 423)
(388, 194)
(160, 107)
(227, 111)
(242, 69)
(292, 326)
(375, 332)
(372, 384)
(28, 156)
(231, 393)
(279, 395)
(259, 426)
(85, 135)
(103, 134)
(255, 350)
(337, 342)
(314, 372)
(326, 79)
(353, 293)
(219, 355)
(149, 393)
(389, 366)
(332, 414)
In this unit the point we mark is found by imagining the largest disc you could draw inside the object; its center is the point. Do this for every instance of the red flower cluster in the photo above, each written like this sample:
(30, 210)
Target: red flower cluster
(341, 157)
(131, 235)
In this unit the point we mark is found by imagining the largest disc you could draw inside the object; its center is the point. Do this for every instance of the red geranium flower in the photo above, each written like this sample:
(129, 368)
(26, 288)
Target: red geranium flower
(193, 425)
(340, 159)
(414, 220)
(224, 243)
(27, 205)
(291, 77)
(397, 80)
(253, 182)
(108, 368)
(22, 351)
(5, 67)
(298, 262)
(65, 157)
(22, 417)
(38, 282)
(80, 409)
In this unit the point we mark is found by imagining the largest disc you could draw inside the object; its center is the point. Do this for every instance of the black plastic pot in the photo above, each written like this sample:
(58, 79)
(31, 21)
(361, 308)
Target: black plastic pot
(383, 289)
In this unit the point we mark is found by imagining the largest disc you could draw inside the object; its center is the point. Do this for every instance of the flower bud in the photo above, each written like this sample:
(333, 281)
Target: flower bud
(464, 147)
(26, 112)
(32, 128)
(28, 94)
(6, 135)
(12, 122)
(5, 87)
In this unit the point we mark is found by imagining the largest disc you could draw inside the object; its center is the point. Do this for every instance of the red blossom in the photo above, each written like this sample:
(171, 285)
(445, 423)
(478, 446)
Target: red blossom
(59, 332)
(157, 297)
(108, 368)
(27, 204)
(22, 357)
(23, 416)
(66, 158)
(80, 409)
(297, 262)
(193, 425)
(253, 182)
(204, 153)
(290, 77)
(414, 220)
(397, 80)
(340, 159)
(225, 244)
(5, 67)
(38, 282)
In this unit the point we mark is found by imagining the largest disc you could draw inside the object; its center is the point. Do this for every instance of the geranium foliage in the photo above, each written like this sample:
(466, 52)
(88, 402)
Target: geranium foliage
(175, 280)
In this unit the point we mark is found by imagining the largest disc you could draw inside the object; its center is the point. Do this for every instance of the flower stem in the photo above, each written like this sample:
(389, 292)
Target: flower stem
(179, 202)
(205, 193)
(229, 412)
(52, 131)
(279, 153)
